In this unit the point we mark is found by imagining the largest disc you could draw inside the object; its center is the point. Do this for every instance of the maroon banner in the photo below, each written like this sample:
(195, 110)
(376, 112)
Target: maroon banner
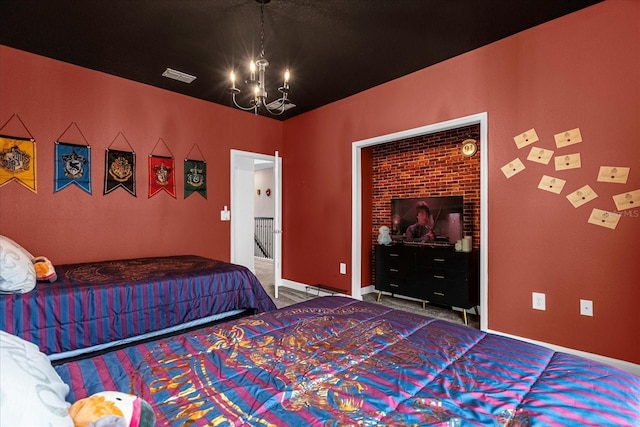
(162, 175)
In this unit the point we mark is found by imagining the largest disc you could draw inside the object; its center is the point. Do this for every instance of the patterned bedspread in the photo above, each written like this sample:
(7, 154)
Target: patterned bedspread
(95, 303)
(334, 361)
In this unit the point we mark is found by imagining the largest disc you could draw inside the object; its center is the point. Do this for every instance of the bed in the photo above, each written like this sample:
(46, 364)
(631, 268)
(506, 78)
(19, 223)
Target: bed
(96, 305)
(335, 361)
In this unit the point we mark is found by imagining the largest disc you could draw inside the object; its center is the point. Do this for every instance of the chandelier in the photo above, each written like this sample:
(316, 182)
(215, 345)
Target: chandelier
(258, 69)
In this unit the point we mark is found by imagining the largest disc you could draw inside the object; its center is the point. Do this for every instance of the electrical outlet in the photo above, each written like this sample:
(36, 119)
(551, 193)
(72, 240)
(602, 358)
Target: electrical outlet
(586, 307)
(343, 268)
(539, 301)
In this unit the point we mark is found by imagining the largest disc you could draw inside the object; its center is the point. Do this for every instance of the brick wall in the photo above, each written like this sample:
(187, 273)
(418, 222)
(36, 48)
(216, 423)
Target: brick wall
(427, 165)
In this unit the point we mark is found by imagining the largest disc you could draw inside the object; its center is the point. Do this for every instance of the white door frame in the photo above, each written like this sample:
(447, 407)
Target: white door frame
(356, 199)
(241, 199)
(277, 223)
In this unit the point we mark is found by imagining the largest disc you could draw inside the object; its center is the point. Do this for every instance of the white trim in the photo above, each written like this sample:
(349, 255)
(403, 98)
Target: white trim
(356, 199)
(620, 364)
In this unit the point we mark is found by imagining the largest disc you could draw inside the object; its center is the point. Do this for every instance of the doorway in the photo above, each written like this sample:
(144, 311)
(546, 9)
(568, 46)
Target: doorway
(243, 171)
(356, 202)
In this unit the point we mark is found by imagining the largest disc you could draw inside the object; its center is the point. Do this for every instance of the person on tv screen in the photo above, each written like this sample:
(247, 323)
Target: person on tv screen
(421, 231)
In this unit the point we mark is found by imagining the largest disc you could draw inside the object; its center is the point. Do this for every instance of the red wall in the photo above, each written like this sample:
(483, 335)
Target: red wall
(578, 71)
(73, 226)
(582, 71)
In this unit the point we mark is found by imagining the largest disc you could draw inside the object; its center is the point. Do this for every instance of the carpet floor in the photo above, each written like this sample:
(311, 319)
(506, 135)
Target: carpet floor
(288, 296)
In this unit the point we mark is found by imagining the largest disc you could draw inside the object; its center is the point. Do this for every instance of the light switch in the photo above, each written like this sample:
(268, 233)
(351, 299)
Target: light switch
(343, 268)
(225, 215)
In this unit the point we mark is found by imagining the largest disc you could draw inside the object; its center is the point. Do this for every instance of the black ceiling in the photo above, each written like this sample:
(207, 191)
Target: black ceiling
(334, 48)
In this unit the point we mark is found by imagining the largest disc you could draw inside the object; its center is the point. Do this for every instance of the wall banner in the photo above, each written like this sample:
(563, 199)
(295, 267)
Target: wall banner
(195, 177)
(18, 161)
(120, 171)
(72, 166)
(162, 175)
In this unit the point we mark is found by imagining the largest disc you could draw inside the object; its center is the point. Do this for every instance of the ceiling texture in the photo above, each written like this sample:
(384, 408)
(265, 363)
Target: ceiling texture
(334, 48)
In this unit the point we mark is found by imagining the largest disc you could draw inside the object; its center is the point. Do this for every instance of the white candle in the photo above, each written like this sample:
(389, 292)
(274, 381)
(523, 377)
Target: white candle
(466, 244)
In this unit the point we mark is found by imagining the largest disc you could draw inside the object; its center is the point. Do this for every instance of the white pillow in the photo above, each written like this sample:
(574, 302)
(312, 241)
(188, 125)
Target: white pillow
(17, 274)
(31, 391)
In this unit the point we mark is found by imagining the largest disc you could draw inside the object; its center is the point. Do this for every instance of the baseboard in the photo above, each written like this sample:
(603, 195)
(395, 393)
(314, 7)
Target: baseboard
(303, 287)
(620, 364)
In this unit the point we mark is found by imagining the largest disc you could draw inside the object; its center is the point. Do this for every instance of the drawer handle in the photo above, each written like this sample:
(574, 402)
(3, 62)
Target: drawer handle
(392, 254)
(440, 294)
(395, 270)
(437, 276)
(393, 285)
(439, 259)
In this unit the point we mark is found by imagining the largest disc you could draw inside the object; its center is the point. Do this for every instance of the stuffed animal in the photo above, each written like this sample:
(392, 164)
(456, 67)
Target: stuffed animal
(112, 409)
(384, 235)
(44, 269)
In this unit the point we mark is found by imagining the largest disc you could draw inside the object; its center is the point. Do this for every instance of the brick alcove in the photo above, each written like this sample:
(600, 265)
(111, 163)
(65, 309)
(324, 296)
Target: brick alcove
(426, 165)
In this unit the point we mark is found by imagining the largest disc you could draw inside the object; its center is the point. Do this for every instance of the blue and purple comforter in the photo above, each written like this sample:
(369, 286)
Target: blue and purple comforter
(335, 361)
(101, 302)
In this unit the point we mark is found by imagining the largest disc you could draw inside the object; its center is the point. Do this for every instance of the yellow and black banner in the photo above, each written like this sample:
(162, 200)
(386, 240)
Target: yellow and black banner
(18, 161)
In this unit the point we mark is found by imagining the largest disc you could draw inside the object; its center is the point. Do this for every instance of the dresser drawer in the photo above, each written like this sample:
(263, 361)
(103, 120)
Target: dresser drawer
(446, 275)
(448, 293)
(430, 259)
(394, 271)
(395, 285)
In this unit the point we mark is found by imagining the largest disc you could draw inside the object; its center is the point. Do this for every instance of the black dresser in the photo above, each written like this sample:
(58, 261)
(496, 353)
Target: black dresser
(436, 274)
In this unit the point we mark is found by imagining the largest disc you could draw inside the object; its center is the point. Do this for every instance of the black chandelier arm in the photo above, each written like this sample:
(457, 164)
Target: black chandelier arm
(236, 91)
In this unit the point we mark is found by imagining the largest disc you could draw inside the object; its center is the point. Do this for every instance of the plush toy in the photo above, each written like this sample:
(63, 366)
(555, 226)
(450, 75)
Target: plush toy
(384, 235)
(112, 409)
(44, 269)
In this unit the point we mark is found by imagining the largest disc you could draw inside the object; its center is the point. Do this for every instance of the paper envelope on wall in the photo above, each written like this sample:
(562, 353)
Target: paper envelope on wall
(568, 161)
(569, 137)
(526, 138)
(614, 174)
(627, 200)
(540, 155)
(549, 183)
(581, 196)
(512, 168)
(604, 218)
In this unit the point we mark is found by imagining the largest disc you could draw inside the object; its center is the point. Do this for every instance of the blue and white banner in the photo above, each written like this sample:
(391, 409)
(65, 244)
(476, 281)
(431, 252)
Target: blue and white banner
(73, 166)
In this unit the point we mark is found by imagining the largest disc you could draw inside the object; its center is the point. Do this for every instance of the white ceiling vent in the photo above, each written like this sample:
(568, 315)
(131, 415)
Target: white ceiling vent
(277, 105)
(178, 75)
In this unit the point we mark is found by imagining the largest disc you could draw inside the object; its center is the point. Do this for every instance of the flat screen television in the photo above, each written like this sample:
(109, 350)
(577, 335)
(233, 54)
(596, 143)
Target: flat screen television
(446, 218)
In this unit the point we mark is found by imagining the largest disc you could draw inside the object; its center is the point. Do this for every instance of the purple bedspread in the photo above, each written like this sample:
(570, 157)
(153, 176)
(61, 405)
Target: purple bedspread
(96, 303)
(335, 361)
